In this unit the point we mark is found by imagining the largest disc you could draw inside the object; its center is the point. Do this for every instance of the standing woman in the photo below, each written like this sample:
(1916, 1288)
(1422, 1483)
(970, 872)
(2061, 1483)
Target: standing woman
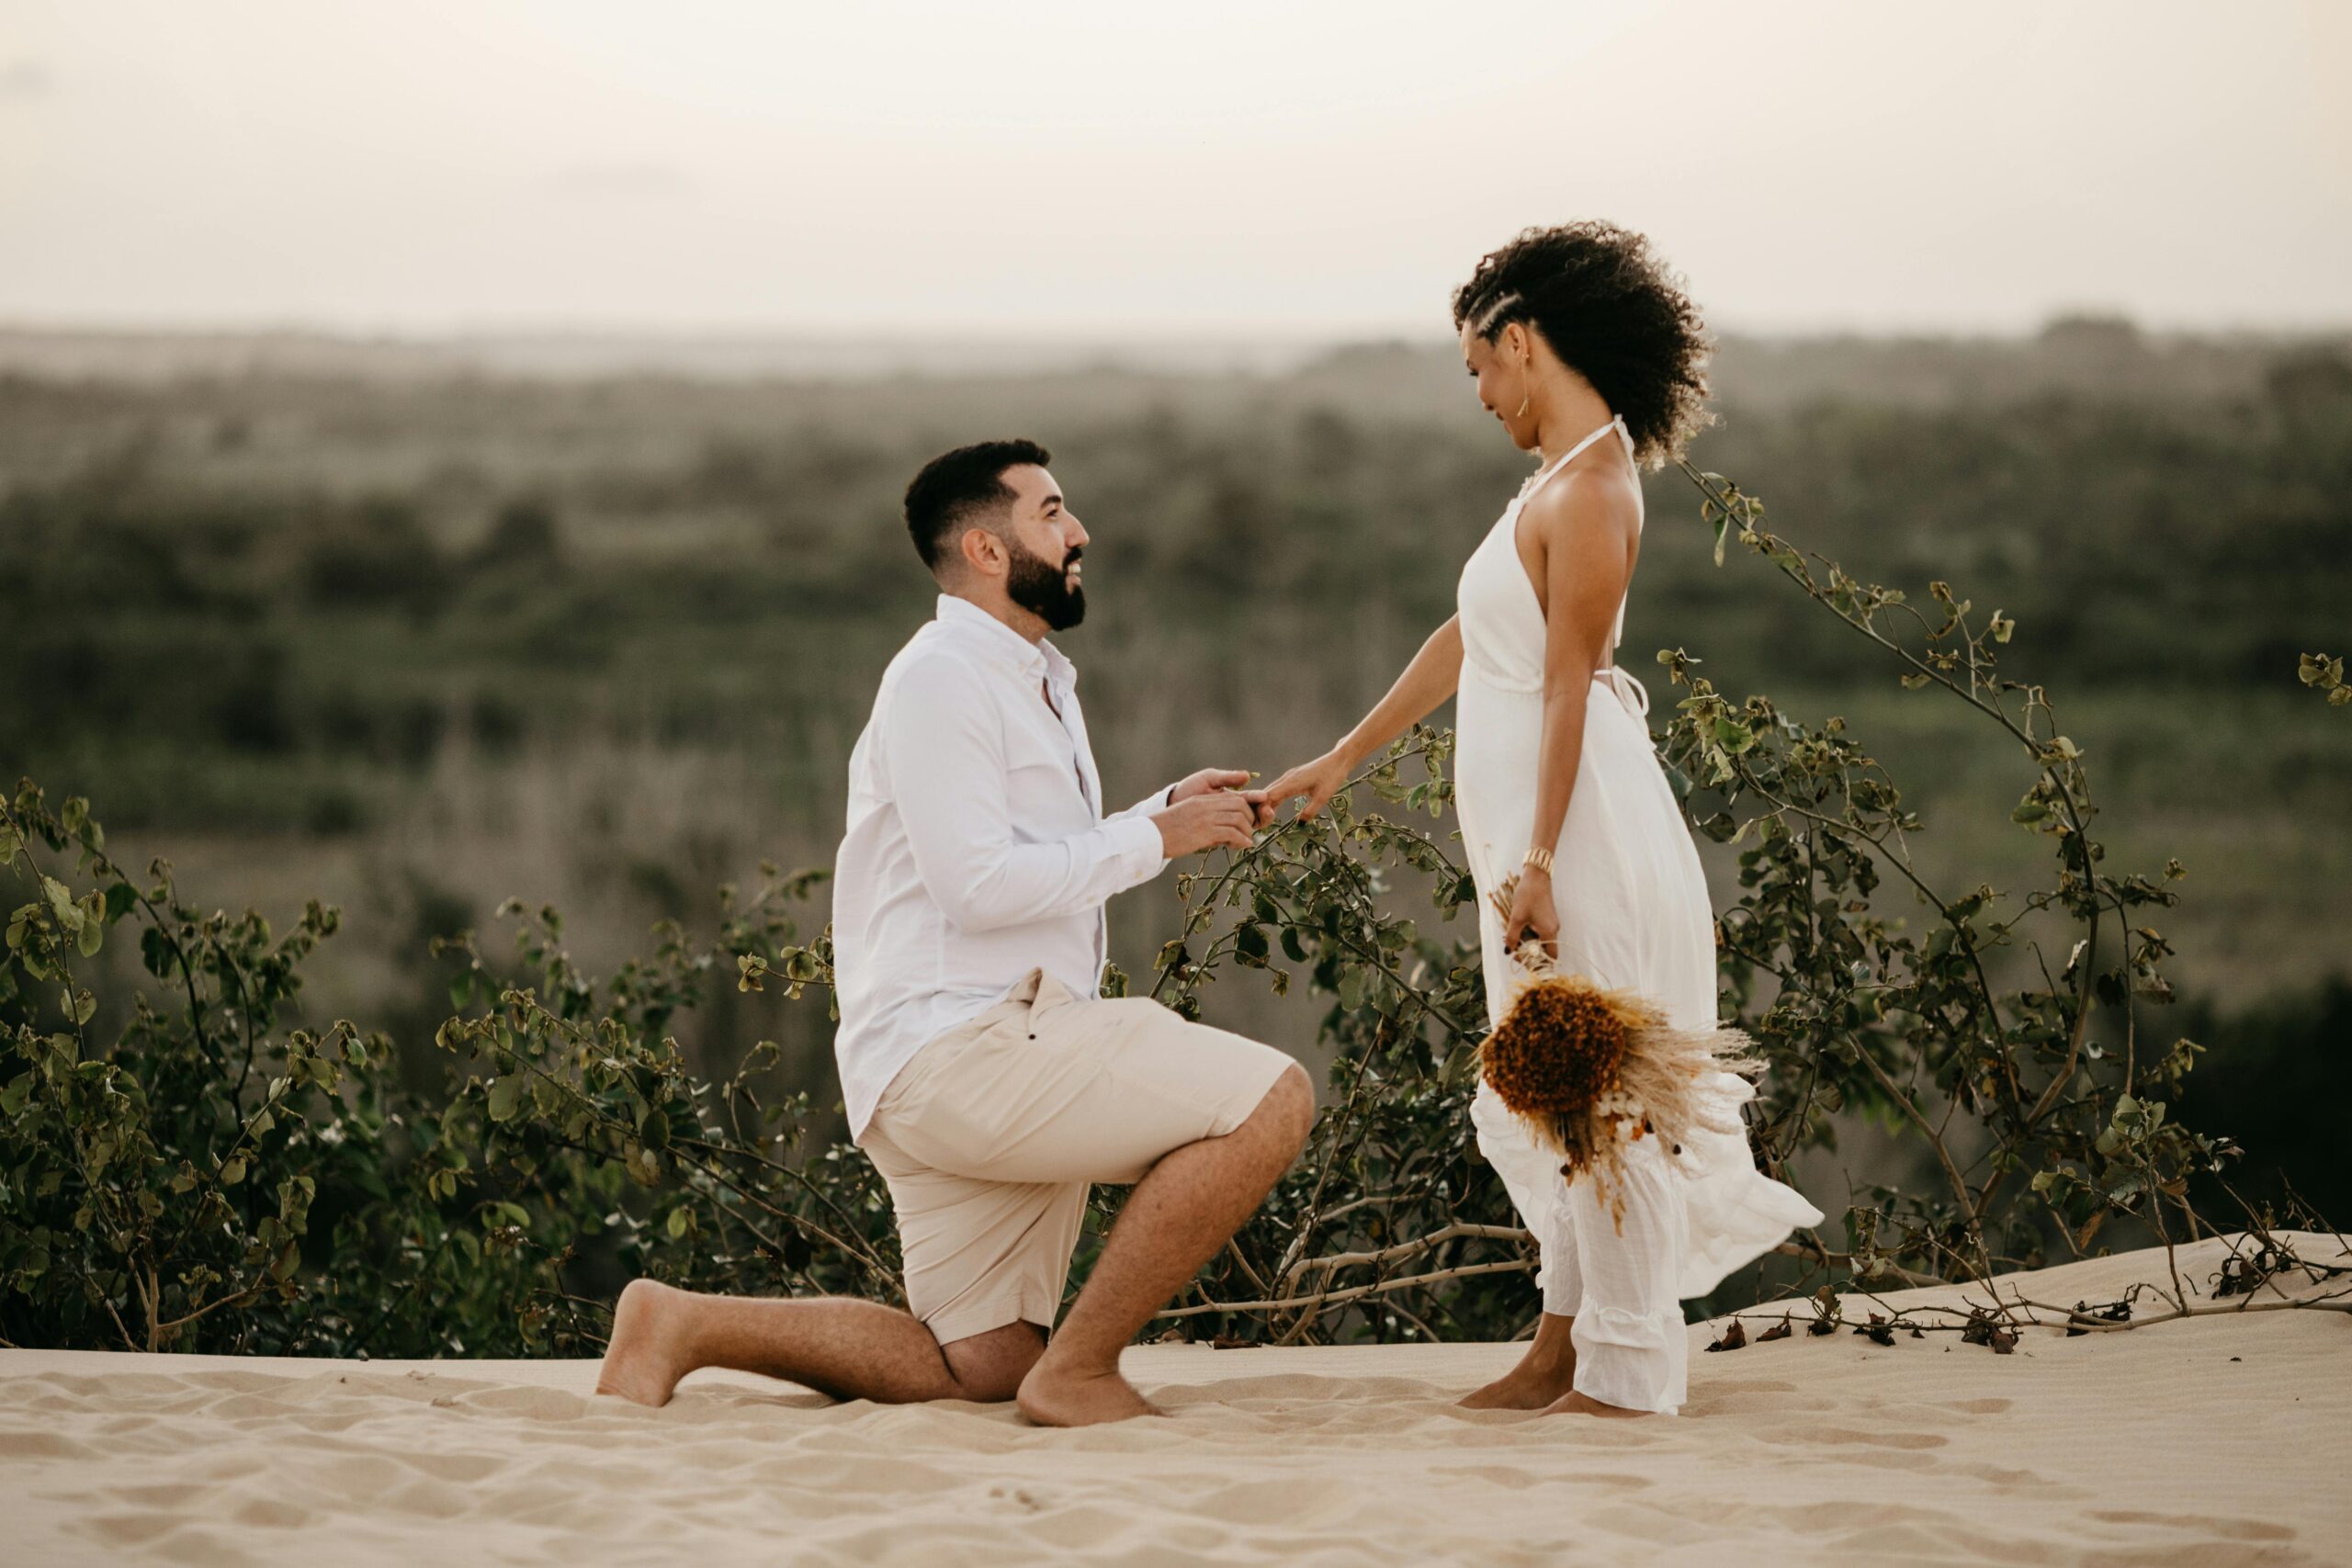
(1590, 355)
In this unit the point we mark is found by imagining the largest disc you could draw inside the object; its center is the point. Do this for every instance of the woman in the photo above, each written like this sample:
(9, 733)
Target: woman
(1586, 351)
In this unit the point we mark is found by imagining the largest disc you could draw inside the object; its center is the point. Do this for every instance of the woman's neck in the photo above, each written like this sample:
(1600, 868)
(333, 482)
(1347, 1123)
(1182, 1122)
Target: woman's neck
(1569, 410)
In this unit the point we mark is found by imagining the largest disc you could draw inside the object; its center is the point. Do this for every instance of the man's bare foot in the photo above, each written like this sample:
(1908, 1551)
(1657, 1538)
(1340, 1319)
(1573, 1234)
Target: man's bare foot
(1532, 1385)
(1053, 1397)
(644, 1360)
(1574, 1404)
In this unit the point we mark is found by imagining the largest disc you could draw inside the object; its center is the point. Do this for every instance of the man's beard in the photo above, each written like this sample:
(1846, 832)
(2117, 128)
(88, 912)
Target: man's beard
(1043, 588)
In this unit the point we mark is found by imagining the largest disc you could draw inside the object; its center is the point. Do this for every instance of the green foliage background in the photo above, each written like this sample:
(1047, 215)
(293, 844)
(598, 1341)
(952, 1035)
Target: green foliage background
(419, 645)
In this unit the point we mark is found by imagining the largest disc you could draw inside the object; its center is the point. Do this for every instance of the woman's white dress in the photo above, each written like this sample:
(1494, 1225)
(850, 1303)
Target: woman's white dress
(1634, 915)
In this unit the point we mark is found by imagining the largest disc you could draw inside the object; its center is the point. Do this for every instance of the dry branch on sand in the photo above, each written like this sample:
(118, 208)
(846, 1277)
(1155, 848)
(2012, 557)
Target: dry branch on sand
(2265, 1271)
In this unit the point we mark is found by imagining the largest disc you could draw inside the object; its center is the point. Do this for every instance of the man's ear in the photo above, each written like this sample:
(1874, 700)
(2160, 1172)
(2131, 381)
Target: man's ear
(983, 553)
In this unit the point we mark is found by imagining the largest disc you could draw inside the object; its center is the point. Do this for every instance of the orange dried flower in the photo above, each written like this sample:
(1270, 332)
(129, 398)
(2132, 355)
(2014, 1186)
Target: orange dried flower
(1592, 1070)
(1559, 1050)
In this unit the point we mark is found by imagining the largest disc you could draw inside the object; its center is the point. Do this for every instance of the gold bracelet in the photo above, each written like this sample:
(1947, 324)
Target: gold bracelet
(1538, 858)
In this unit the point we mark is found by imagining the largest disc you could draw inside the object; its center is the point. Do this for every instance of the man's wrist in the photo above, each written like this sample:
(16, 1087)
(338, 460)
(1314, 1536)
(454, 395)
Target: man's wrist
(1143, 845)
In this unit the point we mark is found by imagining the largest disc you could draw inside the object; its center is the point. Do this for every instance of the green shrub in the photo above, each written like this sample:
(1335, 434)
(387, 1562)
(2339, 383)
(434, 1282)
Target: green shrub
(186, 1168)
(188, 1164)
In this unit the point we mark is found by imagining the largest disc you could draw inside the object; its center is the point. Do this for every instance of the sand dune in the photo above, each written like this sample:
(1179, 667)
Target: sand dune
(2210, 1441)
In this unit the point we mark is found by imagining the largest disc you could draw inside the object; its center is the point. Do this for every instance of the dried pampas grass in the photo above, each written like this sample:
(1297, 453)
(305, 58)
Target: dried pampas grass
(1593, 1071)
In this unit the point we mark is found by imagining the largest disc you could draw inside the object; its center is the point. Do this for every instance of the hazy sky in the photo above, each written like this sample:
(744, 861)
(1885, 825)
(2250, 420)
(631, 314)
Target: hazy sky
(1108, 166)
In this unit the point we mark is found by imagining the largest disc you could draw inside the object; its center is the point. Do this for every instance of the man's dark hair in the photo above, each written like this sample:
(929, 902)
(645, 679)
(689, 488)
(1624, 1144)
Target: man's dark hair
(1612, 313)
(955, 487)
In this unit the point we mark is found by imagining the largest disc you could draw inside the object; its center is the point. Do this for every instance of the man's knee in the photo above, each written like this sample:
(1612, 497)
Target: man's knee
(987, 1368)
(1288, 1107)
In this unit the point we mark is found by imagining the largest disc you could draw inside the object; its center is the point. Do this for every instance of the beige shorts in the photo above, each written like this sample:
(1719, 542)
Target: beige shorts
(991, 1135)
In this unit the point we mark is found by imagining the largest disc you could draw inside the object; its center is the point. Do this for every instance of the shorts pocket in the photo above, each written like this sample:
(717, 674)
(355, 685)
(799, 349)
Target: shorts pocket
(992, 1110)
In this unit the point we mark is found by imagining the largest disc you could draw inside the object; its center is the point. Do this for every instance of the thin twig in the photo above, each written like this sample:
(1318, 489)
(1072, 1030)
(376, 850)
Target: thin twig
(1336, 1298)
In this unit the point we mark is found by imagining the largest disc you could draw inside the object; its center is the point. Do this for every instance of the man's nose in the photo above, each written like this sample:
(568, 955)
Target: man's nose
(1078, 534)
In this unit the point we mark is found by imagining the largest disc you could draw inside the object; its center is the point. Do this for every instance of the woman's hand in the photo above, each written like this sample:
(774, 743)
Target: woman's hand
(1532, 912)
(1427, 680)
(1316, 782)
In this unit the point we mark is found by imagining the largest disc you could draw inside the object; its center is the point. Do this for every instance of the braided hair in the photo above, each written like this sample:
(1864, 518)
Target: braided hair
(1613, 312)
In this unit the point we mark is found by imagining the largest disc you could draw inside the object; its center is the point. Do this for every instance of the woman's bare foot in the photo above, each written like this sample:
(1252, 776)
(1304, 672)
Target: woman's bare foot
(1052, 1397)
(1533, 1385)
(645, 1357)
(1574, 1404)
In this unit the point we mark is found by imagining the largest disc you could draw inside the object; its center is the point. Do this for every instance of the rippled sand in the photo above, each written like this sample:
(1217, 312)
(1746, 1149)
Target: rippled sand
(2214, 1441)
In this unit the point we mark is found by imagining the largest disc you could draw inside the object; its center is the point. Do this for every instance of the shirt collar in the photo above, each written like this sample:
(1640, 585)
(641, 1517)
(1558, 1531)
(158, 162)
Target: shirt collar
(1005, 645)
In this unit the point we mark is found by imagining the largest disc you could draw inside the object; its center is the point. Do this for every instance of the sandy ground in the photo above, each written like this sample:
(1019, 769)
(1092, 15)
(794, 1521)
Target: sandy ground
(2208, 1441)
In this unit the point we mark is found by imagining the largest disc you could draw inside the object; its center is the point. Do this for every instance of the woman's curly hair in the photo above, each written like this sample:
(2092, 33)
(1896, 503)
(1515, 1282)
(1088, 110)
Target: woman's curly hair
(1613, 312)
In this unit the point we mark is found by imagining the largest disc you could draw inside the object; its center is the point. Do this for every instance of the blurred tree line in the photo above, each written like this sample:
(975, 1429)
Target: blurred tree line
(279, 576)
(179, 1172)
(417, 643)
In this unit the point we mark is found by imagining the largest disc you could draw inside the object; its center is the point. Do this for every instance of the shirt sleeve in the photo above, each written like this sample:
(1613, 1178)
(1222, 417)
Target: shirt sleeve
(946, 767)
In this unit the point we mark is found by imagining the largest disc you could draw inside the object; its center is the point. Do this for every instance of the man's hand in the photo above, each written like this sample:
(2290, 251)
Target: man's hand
(1205, 781)
(1206, 821)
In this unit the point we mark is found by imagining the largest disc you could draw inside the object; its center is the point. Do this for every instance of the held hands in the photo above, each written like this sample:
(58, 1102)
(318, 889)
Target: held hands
(1533, 914)
(1208, 810)
(1208, 779)
(1313, 783)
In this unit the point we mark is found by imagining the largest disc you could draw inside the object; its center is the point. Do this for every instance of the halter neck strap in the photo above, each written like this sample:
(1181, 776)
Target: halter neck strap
(1616, 423)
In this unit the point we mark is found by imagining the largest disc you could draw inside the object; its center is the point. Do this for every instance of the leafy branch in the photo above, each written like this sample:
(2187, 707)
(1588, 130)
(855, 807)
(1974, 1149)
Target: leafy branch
(152, 1200)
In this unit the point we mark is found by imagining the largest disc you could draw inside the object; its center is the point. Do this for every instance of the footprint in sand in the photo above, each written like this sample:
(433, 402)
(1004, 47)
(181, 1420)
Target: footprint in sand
(461, 1467)
(175, 1494)
(1296, 1501)
(2228, 1529)
(1520, 1477)
(131, 1529)
(42, 1445)
(1843, 1437)
(269, 1512)
(2016, 1480)
(2207, 1554)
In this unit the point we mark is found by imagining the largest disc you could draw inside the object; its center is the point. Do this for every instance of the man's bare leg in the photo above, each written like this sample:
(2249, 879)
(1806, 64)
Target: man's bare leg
(850, 1350)
(1186, 1207)
(1546, 1374)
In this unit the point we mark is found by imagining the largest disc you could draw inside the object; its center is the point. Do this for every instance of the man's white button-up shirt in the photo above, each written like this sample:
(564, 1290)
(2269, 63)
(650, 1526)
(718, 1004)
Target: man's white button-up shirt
(976, 849)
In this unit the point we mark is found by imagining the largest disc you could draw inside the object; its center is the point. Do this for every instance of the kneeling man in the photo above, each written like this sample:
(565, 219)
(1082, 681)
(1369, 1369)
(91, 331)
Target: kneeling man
(983, 1074)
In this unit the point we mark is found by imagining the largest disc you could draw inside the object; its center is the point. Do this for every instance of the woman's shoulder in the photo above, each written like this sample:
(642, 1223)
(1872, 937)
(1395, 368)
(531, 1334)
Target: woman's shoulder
(1579, 501)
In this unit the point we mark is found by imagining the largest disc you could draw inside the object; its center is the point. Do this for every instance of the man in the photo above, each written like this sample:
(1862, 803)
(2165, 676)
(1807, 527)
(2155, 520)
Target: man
(983, 1074)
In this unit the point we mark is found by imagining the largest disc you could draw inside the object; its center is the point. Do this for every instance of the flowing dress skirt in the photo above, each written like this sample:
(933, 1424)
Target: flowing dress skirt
(1634, 915)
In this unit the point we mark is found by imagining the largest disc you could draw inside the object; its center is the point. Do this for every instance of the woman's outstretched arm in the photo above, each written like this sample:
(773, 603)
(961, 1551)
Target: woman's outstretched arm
(1427, 680)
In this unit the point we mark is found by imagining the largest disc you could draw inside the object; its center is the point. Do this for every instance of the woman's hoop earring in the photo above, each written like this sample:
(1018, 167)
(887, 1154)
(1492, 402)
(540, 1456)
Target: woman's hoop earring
(1526, 372)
